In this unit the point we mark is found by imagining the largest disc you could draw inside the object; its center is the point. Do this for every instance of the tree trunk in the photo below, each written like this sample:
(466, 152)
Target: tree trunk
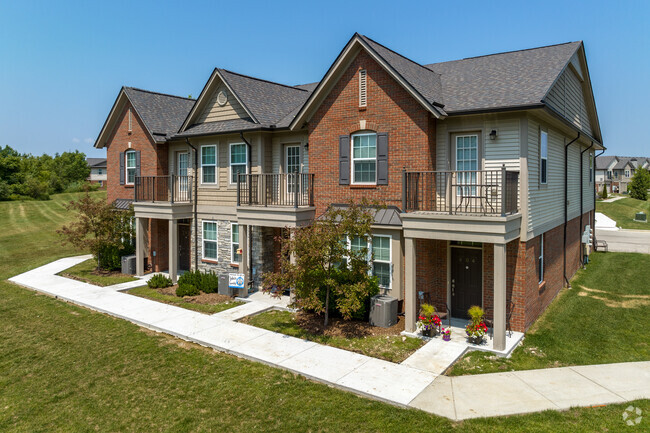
(327, 307)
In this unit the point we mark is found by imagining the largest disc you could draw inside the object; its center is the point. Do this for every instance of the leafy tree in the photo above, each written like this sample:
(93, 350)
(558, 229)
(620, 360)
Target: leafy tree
(640, 184)
(106, 232)
(323, 273)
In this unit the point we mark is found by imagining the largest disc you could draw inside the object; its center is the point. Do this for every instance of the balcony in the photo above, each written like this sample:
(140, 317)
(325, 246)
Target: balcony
(479, 205)
(275, 200)
(163, 197)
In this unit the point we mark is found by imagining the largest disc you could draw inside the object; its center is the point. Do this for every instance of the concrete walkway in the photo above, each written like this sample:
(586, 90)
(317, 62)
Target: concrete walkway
(399, 384)
(603, 222)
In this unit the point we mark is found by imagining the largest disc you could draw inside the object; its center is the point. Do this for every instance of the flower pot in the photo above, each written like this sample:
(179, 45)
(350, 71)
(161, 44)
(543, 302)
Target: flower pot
(446, 337)
(427, 332)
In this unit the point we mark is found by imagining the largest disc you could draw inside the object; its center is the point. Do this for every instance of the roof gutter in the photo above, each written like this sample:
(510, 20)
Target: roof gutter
(582, 194)
(196, 203)
(566, 197)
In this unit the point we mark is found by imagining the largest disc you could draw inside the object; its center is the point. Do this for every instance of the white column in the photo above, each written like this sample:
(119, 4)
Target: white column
(140, 233)
(499, 296)
(243, 244)
(409, 286)
(173, 250)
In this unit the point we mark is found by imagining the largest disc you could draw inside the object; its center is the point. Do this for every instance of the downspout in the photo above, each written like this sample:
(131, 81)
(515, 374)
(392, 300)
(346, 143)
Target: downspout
(582, 262)
(566, 198)
(250, 231)
(196, 203)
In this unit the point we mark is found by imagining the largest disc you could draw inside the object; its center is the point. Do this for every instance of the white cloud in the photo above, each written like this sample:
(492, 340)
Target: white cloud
(89, 140)
(76, 140)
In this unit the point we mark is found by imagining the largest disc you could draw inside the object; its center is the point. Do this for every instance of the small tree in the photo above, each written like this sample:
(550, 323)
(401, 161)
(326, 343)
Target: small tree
(603, 194)
(106, 232)
(640, 184)
(320, 268)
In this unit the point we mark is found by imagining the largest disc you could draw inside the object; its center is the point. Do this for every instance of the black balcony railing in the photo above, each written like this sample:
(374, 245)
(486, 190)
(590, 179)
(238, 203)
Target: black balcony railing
(286, 189)
(168, 189)
(480, 192)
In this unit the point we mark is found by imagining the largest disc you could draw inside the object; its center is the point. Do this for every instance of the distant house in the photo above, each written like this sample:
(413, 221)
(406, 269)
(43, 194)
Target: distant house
(616, 172)
(97, 171)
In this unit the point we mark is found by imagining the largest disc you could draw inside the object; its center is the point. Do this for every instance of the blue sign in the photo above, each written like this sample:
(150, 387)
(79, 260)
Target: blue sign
(236, 281)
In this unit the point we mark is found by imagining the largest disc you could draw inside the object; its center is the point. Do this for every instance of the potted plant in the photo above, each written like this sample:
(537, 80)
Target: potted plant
(446, 334)
(476, 328)
(428, 320)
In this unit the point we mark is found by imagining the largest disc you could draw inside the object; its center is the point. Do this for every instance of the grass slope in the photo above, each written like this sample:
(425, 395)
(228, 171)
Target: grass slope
(146, 292)
(601, 319)
(65, 368)
(85, 272)
(623, 211)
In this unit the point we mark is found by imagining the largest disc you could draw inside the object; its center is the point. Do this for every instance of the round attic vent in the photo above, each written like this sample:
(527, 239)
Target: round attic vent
(222, 98)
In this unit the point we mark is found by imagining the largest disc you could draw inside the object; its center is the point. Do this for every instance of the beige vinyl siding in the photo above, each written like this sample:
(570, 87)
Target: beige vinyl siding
(280, 141)
(546, 202)
(568, 98)
(213, 112)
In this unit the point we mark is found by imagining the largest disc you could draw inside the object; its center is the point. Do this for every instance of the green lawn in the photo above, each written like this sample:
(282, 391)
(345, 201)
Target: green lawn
(146, 292)
(66, 368)
(622, 211)
(85, 272)
(391, 348)
(601, 319)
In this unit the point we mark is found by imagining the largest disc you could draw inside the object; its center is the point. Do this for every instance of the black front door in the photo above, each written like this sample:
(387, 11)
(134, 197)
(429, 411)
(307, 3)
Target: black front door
(184, 247)
(466, 278)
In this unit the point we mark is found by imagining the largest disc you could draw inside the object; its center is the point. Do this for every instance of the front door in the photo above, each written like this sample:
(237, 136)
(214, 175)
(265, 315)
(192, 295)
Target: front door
(184, 246)
(466, 280)
(183, 162)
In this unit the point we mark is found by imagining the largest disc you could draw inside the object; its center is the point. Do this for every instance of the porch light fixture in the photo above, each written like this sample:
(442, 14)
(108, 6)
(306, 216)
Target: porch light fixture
(493, 134)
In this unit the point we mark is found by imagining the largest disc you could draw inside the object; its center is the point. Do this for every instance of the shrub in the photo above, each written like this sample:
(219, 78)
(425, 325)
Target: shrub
(187, 290)
(159, 281)
(603, 194)
(109, 257)
(207, 282)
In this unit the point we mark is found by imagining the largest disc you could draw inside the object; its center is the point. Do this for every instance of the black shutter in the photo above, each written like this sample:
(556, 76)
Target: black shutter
(121, 168)
(344, 160)
(382, 158)
(137, 163)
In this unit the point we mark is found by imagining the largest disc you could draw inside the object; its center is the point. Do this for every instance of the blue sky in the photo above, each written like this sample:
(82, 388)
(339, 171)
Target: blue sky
(63, 63)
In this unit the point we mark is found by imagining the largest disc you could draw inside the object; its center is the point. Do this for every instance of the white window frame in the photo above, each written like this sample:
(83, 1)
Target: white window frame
(230, 164)
(543, 157)
(203, 240)
(627, 173)
(127, 168)
(233, 250)
(215, 165)
(363, 88)
(390, 258)
(540, 259)
(354, 160)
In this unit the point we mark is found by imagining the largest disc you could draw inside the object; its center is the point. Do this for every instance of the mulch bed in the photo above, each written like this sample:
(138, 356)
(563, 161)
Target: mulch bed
(203, 298)
(337, 327)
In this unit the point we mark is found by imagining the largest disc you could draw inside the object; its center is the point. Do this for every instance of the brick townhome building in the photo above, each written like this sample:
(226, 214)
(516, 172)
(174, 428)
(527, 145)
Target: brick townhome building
(484, 165)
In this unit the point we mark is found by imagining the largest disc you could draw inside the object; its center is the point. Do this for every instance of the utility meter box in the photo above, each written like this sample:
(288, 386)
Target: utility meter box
(128, 265)
(224, 288)
(640, 216)
(383, 311)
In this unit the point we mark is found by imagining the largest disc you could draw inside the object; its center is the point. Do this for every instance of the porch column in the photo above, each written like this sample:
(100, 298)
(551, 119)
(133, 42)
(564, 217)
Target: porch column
(499, 296)
(409, 287)
(173, 250)
(243, 244)
(140, 233)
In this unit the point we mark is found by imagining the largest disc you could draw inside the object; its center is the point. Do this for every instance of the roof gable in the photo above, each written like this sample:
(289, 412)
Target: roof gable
(221, 105)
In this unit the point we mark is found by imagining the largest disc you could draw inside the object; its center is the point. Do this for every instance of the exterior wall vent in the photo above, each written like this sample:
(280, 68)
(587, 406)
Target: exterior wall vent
(363, 99)
(222, 98)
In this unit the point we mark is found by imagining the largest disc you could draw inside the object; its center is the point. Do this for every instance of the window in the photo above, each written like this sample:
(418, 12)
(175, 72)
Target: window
(238, 160)
(363, 98)
(540, 260)
(627, 173)
(209, 164)
(609, 174)
(467, 163)
(234, 243)
(364, 158)
(129, 156)
(292, 165)
(381, 260)
(616, 174)
(100, 171)
(543, 156)
(210, 250)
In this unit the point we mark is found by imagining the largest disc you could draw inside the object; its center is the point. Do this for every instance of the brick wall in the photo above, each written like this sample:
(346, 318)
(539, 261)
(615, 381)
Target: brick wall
(153, 157)
(411, 134)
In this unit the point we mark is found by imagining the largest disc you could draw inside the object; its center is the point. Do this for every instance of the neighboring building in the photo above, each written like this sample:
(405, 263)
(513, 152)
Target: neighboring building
(468, 155)
(97, 171)
(616, 172)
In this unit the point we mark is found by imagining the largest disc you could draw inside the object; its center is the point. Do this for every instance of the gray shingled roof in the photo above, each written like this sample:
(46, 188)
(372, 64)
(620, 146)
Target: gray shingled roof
(96, 162)
(425, 81)
(517, 78)
(602, 162)
(208, 128)
(162, 114)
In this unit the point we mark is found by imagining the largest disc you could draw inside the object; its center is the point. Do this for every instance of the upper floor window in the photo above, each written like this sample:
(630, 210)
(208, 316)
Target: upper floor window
(100, 171)
(364, 158)
(627, 173)
(130, 165)
(616, 174)
(543, 156)
(209, 164)
(238, 160)
(363, 95)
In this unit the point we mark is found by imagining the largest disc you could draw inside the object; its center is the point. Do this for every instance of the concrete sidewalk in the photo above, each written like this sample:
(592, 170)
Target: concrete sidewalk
(398, 384)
